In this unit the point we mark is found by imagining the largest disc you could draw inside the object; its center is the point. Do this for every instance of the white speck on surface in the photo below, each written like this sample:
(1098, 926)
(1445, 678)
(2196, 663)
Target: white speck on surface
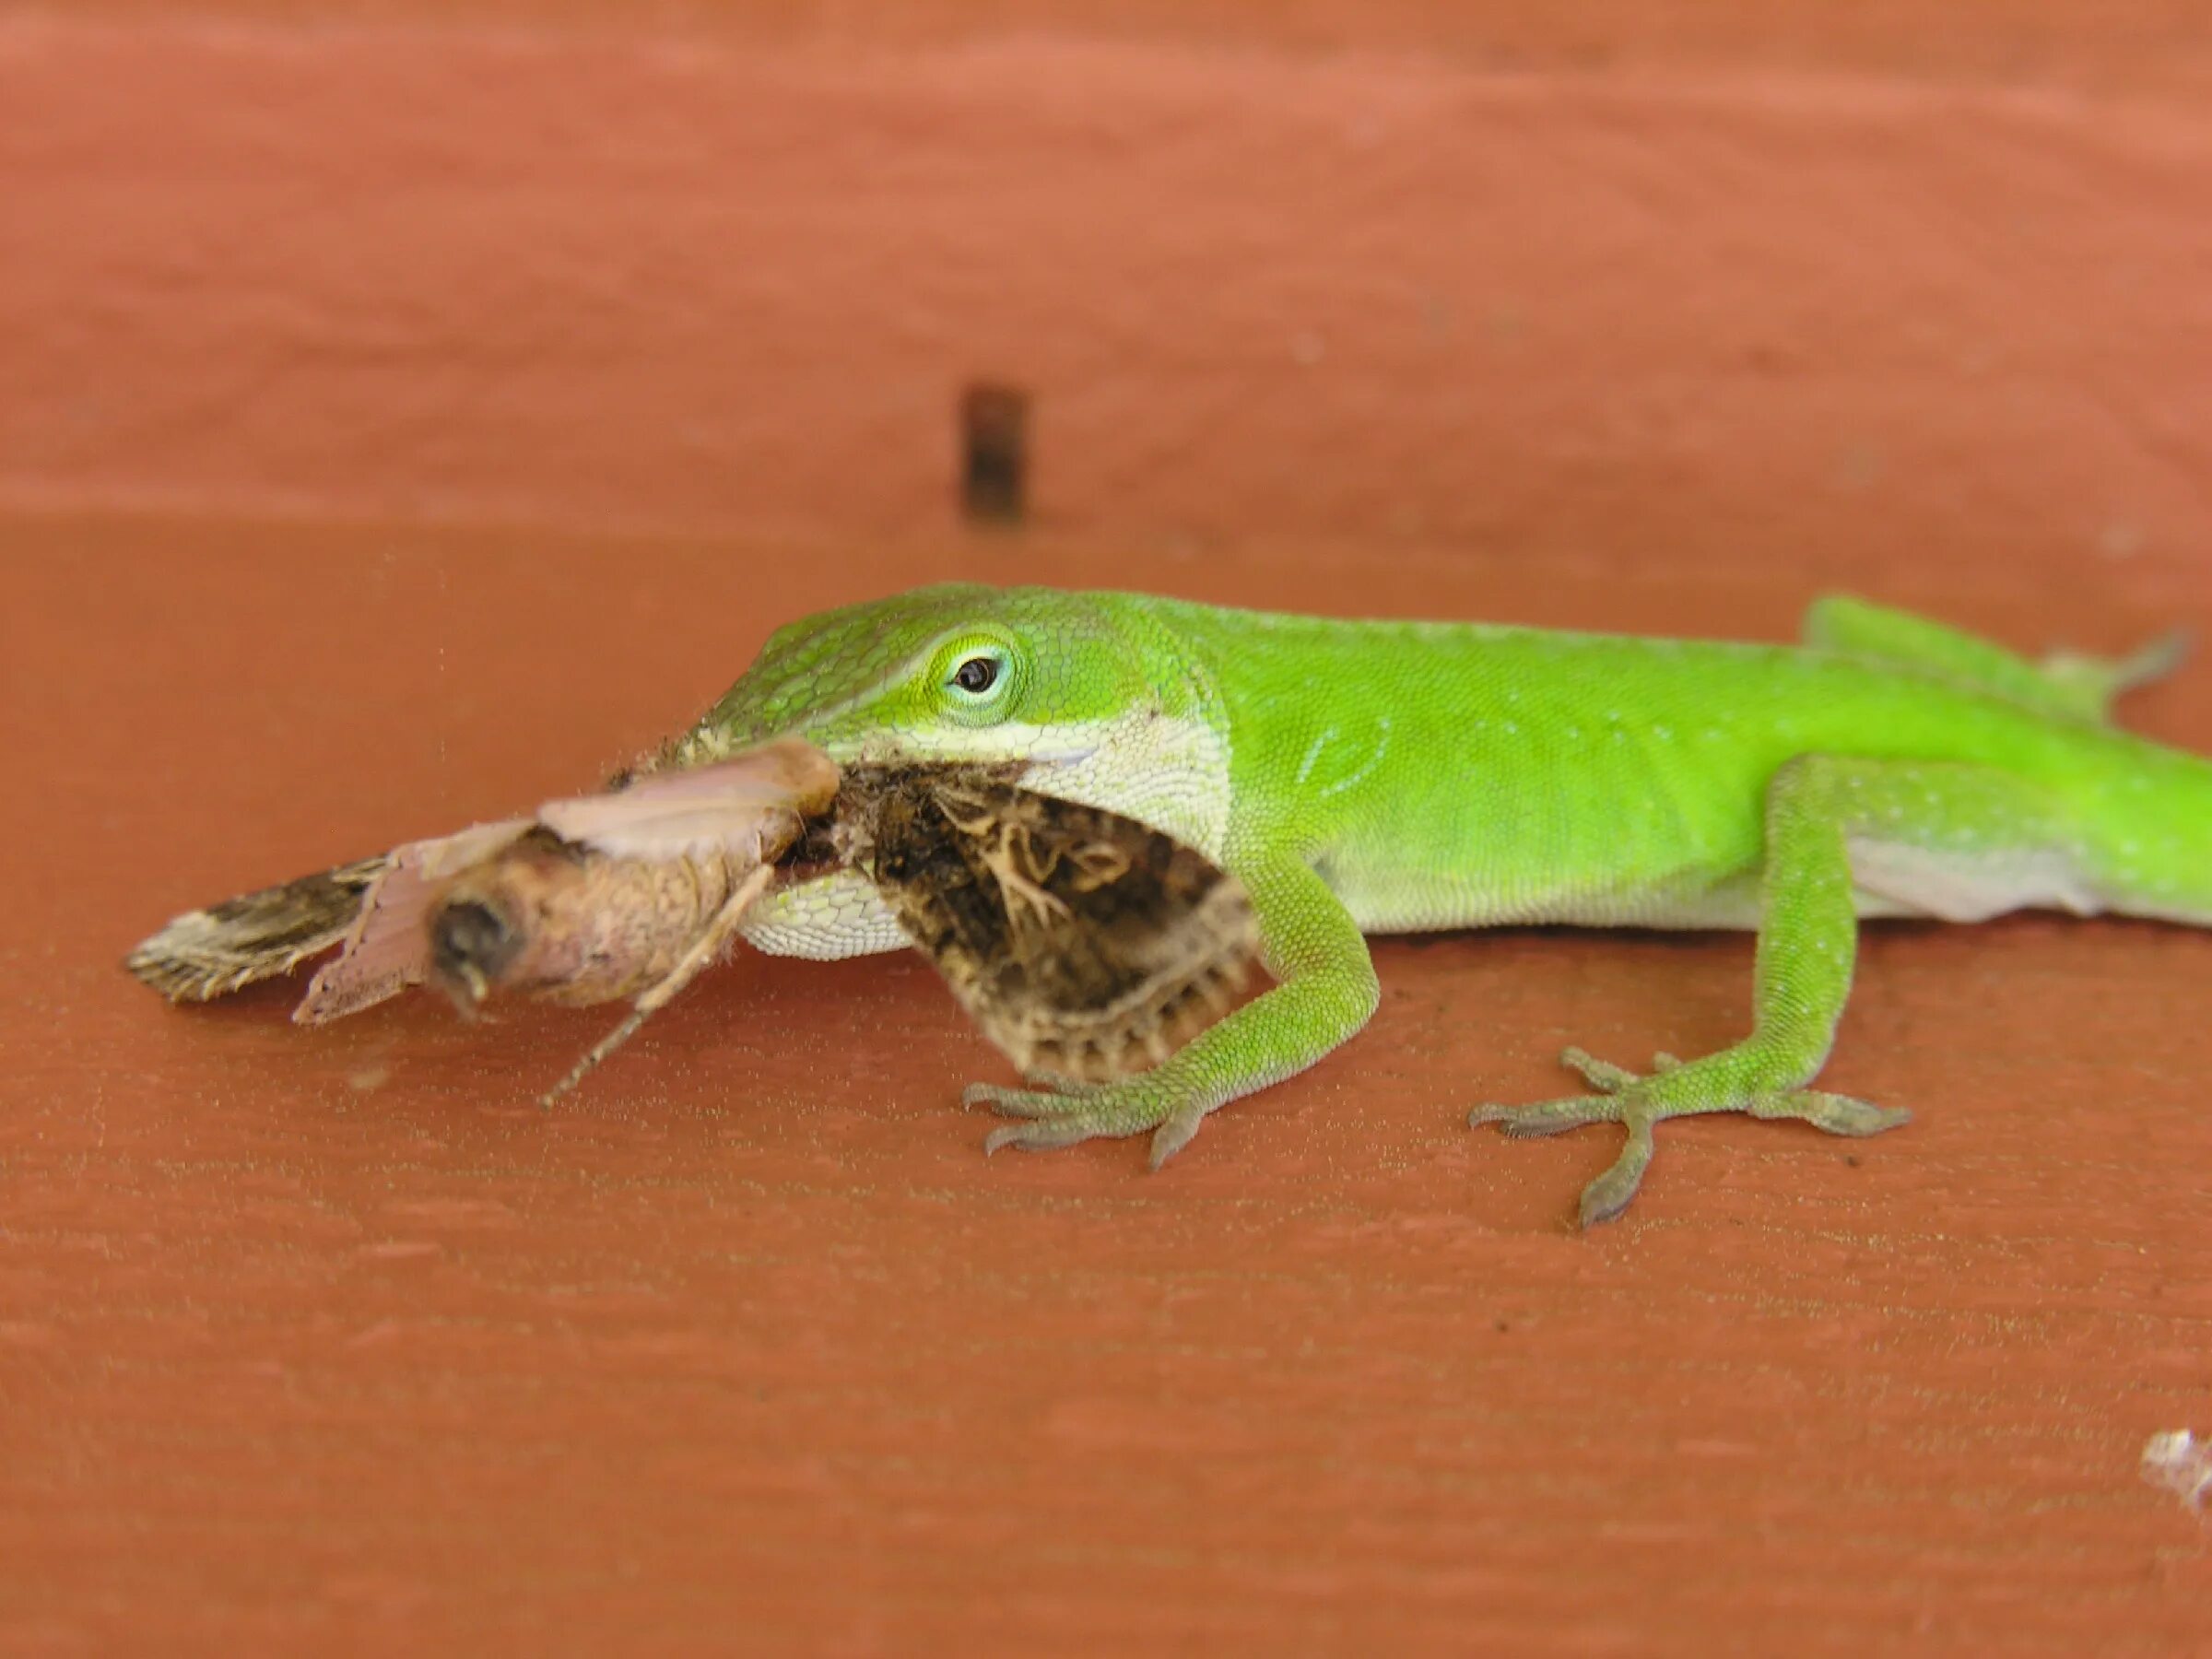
(2120, 539)
(2181, 1464)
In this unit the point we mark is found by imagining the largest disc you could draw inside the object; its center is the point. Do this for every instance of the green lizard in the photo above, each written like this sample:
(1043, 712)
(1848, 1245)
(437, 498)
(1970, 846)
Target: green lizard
(1381, 777)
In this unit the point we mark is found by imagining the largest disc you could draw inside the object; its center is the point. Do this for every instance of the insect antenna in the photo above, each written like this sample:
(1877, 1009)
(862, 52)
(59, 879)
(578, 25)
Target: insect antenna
(659, 995)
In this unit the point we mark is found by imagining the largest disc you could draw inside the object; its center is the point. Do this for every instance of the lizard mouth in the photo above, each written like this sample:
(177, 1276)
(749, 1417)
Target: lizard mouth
(822, 848)
(1070, 754)
(1031, 748)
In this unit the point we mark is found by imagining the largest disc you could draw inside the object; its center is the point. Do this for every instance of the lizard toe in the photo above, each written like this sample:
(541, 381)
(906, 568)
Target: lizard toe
(1601, 1075)
(1062, 1120)
(1173, 1136)
(1605, 1198)
(1018, 1102)
(1548, 1117)
(1059, 1083)
(1835, 1113)
(1041, 1136)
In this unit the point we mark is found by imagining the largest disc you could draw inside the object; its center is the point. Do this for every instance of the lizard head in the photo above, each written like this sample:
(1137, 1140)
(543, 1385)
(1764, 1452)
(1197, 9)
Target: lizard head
(1092, 693)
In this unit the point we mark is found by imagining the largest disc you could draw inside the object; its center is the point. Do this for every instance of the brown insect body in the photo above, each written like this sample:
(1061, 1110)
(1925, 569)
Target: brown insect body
(566, 924)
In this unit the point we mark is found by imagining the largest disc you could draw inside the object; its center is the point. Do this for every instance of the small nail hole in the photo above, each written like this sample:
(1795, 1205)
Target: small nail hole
(994, 453)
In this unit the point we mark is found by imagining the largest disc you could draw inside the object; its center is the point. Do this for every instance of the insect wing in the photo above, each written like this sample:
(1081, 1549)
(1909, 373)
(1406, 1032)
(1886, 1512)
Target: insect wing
(750, 806)
(210, 953)
(388, 947)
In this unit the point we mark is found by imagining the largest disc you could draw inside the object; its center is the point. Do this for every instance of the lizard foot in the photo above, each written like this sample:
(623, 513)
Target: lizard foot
(1638, 1102)
(1065, 1117)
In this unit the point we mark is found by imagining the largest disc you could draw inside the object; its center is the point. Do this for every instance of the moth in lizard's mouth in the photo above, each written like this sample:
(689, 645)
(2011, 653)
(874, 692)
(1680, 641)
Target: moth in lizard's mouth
(1084, 944)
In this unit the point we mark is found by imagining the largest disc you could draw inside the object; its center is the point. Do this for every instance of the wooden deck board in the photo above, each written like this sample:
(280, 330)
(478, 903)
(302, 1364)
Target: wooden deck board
(312, 1334)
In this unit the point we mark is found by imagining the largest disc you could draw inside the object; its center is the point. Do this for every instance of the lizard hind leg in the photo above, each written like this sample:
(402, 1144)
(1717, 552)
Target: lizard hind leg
(2063, 682)
(1933, 838)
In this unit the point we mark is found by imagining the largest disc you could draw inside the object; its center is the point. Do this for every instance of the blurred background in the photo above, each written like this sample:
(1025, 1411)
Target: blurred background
(411, 409)
(1846, 288)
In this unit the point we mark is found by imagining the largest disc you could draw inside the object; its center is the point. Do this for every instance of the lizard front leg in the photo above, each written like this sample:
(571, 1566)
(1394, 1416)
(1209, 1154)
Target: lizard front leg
(1327, 991)
(1960, 842)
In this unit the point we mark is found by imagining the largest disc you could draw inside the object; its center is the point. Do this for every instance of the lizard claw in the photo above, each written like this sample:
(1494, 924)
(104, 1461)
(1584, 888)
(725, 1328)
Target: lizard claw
(1037, 1136)
(1172, 1136)
(1601, 1075)
(1058, 1083)
(1093, 1112)
(1548, 1117)
(1018, 1103)
(1670, 1090)
(1836, 1114)
(1604, 1075)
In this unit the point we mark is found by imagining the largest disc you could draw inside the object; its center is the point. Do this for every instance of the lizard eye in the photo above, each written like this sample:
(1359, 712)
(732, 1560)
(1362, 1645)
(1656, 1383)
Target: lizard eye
(978, 680)
(977, 674)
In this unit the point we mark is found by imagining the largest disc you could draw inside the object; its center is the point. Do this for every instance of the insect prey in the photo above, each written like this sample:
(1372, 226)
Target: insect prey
(1085, 944)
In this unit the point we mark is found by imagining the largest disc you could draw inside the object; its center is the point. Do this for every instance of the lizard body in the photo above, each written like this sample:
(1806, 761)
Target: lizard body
(1386, 776)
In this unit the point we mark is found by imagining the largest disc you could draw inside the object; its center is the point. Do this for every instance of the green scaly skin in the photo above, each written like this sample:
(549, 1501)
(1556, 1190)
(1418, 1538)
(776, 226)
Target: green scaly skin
(1383, 776)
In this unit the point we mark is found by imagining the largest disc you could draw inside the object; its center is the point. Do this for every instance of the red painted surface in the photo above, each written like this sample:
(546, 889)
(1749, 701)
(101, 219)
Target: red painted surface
(589, 283)
(400, 425)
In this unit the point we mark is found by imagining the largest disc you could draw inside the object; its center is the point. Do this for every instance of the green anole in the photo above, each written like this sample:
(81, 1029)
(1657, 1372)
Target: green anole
(1363, 777)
